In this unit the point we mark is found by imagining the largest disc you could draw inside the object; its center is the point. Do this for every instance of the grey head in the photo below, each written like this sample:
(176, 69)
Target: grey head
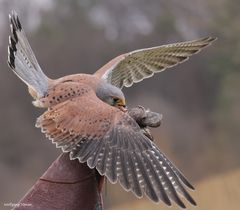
(110, 94)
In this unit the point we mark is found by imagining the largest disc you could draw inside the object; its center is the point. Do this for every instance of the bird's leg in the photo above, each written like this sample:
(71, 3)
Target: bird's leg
(123, 108)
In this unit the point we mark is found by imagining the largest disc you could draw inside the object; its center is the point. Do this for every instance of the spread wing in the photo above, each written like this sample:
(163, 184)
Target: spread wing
(135, 66)
(113, 143)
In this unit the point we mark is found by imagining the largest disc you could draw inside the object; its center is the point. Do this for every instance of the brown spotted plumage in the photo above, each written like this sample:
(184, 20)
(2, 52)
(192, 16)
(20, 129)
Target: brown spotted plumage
(86, 115)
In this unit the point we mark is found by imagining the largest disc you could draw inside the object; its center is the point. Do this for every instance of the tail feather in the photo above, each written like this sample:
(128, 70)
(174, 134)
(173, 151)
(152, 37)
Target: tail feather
(22, 60)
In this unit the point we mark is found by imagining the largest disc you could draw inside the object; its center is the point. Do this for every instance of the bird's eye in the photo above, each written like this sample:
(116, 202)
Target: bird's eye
(115, 100)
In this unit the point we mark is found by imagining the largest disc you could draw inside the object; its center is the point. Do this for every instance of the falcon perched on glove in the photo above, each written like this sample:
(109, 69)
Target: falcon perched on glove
(87, 116)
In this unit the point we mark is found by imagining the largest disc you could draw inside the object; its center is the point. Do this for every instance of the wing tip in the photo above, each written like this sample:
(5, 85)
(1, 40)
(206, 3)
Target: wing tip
(189, 185)
(205, 41)
(15, 26)
(14, 21)
(210, 38)
(193, 202)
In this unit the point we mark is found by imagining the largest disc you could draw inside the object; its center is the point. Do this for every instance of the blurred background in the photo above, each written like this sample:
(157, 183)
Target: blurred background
(199, 99)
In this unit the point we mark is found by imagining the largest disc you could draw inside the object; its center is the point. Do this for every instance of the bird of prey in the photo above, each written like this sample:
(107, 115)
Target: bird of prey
(86, 115)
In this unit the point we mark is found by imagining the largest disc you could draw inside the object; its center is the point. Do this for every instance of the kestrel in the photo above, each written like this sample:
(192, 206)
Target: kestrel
(86, 115)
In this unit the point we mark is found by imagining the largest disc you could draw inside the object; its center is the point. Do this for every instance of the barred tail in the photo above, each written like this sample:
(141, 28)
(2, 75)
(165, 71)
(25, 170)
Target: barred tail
(22, 60)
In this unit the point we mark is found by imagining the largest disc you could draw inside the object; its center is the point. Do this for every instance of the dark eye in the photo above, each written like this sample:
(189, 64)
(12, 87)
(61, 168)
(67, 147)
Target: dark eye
(115, 100)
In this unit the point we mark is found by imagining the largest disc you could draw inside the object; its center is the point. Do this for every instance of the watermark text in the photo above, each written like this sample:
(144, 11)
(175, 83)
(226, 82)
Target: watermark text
(10, 204)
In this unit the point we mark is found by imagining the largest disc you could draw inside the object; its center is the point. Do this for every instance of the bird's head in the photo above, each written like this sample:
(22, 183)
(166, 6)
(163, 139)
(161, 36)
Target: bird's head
(111, 95)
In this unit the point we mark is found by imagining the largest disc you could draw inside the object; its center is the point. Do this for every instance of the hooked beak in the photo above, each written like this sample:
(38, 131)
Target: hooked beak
(122, 105)
(123, 108)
